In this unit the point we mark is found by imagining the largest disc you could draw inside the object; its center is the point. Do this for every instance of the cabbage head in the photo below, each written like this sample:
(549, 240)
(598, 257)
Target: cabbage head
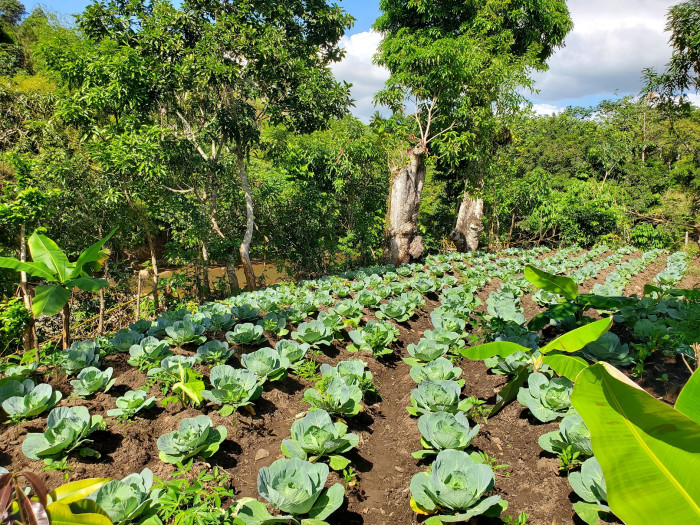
(442, 430)
(233, 388)
(194, 437)
(572, 432)
(30, 402)
(437, 396)
(454, 487)
(547, 399)
(440, 369)
(316, 437)
(267, 364)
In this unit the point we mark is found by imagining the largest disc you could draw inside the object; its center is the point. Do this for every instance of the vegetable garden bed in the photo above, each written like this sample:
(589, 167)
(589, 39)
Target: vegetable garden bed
(377, 487)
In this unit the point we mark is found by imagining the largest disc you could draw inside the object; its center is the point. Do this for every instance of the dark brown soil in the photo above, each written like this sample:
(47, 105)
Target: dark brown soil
(530, 480)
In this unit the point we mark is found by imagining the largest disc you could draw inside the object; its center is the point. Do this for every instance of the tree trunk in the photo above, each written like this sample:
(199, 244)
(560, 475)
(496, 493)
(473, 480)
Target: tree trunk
(65, 317)
(250, 224)
(205, 269)
(101, 322)
(154, 264)
(469, 224)
(232, 277)
(401, 240)
(30, 339)
(138, 298)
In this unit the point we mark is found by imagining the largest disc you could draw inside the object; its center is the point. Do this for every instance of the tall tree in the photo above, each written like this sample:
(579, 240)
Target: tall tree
(223, 68)
(455, 60)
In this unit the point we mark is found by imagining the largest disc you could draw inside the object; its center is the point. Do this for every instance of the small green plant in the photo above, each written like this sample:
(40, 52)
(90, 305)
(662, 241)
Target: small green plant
(491, 461)
(521, 519)
(568, 459)
(350, 476)
(308, 369)
(194, 437)
(480, 411)
(196, 502)
(131, 403)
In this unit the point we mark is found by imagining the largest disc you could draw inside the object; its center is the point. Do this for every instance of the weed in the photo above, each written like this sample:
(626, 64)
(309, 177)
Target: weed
(308, 369)
(568, 459)
(520, 520)
(350, 476)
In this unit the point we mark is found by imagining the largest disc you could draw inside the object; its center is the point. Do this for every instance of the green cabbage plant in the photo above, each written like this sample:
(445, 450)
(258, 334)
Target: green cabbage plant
(334, 396)
(440, 369)
(245, 312)
(148, 352)
(130, 404)
(375, 337)
(589, 485)
(274, 323)
(267, 364)
(547, 399)
(81, 354)
(442, 430)
(353, 372)
(92, 379)
(168, 373)
(296, 488)
(214, 353)
(350, 310)
(397, 309)
(609, 349)
(127, 501)
(30, 401)
(185, 332)
(334, 321)
(316, 437)
(438, 396)
(246, 334)
(425, 351)
(314, 334)
(291, 350)
(67, 431)
(194, 437)
(123, 340)
(233, 388)
(14, 388)
(572, 432)
(453, 490)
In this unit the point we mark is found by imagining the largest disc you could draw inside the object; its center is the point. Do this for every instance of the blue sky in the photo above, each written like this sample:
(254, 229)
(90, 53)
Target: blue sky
(612, 41)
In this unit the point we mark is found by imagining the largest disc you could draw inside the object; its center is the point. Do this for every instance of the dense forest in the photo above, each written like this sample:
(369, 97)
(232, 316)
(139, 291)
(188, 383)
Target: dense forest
(199, 169)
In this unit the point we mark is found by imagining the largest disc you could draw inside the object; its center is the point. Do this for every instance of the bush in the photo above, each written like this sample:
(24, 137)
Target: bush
(586, 224)
(645, 236)
(14, 318)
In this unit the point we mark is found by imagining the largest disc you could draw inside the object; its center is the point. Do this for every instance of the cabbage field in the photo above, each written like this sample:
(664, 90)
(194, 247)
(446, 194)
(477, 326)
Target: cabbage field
(473, 386)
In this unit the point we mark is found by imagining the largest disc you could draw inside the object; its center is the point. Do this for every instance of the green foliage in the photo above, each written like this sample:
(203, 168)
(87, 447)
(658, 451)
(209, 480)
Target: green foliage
(80, 355)
(589, 485)
(232, 388)
(67, 431)
(547, 399)
(437, 396)
(127, 500)
(14, 318)
(572, 432)
(148, 352)
(92, 379)
(316, 437)
(454, 489)
(640, 441)
(335, 396)
(440, 369)
(442, 430)
(267, 364)
(246, 334)
(214, 353)
(295, 487)
(194, 437)
(130, 404)
(374, 337)
(23, 401)
(647, 236)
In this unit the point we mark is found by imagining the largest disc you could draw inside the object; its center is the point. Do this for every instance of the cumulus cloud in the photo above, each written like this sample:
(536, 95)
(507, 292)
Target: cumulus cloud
(612, 41)
(546, 109)
(357, 68)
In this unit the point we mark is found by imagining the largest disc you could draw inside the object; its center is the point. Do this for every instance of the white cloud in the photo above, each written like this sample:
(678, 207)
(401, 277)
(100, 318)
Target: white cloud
(358, 69)
(612, 41)
(546, 109)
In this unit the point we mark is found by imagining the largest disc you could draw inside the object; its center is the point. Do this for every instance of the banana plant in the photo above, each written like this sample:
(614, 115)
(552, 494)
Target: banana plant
(51, 264)
(553, 354)
(571, 302)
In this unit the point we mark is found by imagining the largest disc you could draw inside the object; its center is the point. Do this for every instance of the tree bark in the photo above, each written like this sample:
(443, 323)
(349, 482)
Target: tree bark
(205, 269)
(65, 318)
(151, 247)
(469, 225)
(402, 243)
(250, 224)
(30, 339)
(232, 277)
